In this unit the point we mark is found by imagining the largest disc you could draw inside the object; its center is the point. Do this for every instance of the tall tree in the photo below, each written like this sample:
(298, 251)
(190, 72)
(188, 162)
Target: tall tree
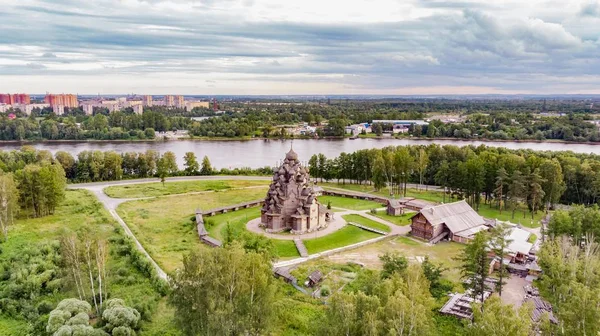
(170, 163)
(499, 242)
(516, 190)
(191, 164)
(535, 193)
(422, 162)
(501, 180)
(553, 184)
(224, 291)
(442, 177)
(475, 264)
(162, 170)
(9, 202)
(378, 176)
(206, 167)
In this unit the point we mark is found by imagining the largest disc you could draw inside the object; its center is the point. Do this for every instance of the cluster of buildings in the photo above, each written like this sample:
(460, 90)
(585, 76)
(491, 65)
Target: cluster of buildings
(397, 126)
(61, 102)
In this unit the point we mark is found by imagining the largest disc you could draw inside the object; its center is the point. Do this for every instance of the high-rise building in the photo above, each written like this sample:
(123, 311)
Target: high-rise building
(67, 100)
(169, 100)
(12, 99)
(147, 100)
(179, 102)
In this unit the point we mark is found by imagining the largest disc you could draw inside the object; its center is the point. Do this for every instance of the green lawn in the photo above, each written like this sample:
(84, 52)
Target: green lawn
(166, 227)
(367, 222)
(79, 209)
(343, 237)
(182, 187)
(398, 220)
(349, 203)
(532, 239)
(489, 211)
(216, 227)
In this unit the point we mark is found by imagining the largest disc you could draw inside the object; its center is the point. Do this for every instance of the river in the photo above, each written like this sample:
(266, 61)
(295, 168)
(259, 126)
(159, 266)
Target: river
(260, 153)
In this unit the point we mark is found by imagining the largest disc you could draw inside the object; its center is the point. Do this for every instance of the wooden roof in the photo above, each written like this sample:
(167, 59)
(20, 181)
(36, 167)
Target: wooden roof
(457, 216)
(315, 276)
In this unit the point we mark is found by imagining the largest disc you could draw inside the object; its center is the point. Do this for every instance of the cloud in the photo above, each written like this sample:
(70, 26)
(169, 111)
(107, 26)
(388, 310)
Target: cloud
(370, 46)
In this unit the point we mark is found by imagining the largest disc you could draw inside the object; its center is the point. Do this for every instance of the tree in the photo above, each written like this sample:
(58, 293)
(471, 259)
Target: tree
(224, 291)
(120, 319)
(499, 242)
(170, 163)
(516, 190)
(206, 167)
(191, 164)
(378, 175)
(498, 319)
(535, 193)
(501, 180)
(9, 203)
(422, 162)
(42, 188)
(162, 170)
(433, 273)
(377, 129)
(442, 176)
(71, 317)
(392, 263)
(67, 161)
(475, 264)
(553, 184)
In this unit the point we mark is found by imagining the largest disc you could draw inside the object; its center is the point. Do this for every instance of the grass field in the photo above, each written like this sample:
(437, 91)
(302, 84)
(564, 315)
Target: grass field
(216, 227)
(367, 222)
(172, 188)
(345, 236)
(349, 203)
(398, 220)
(80, 209)
(165, 225)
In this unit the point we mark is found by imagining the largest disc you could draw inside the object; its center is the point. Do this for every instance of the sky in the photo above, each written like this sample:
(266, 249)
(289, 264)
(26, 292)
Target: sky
(272, 47)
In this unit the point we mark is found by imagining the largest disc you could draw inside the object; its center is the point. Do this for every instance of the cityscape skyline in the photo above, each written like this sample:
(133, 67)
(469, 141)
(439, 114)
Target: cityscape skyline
(243, 47)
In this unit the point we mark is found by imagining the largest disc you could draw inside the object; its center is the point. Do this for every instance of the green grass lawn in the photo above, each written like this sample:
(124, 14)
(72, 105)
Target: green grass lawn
(80, 209)
(532, 239)
(398, 220)
(489, 211)
(349, 203)
(345, 236)
(216, 227)
(367, 222)
(182, 187)
(165, 225)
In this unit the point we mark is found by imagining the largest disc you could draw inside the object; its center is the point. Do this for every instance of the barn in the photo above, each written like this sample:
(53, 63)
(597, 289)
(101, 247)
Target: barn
(457, 221)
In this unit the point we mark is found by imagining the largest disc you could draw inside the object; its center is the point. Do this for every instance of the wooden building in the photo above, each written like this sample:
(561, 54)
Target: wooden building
(314, 278)
(395, 208)
(457, 221)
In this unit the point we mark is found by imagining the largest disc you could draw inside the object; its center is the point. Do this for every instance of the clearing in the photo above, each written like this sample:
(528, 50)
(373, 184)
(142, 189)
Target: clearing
(349, 203)
(172, 188)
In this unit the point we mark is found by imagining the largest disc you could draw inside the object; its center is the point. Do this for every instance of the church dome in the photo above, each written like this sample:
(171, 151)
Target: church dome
(291, 155)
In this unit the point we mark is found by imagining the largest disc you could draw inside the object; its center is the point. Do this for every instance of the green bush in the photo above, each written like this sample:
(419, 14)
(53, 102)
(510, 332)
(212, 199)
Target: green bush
(325, 291)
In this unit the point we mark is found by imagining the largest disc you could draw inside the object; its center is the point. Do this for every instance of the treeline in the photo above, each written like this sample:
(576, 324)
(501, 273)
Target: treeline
(120, 125)
(499, 176)
(95, 166)
(512, 126)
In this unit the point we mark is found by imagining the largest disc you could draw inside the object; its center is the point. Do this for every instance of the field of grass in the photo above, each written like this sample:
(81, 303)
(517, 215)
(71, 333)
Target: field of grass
(180, 187)
(367, 222)
(166, 227)
(345, 236)
(349, 203)
(216, 227)
(398, 220)
(80, 209)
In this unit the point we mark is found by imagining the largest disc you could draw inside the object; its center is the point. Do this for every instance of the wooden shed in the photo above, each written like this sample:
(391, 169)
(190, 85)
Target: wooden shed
(395, 208)
(314, 278)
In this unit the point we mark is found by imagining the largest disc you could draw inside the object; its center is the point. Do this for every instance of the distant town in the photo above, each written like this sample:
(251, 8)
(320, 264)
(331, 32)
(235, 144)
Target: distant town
(59, 103)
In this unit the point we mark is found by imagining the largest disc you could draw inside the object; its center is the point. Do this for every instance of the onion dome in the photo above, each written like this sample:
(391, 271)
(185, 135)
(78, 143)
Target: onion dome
(291, 155)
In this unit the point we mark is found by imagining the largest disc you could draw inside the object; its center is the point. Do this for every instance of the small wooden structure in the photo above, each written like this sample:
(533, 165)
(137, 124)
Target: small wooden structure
(203, 233)
(395, 208)
(459, 305)
(285, 274)
(314, 278)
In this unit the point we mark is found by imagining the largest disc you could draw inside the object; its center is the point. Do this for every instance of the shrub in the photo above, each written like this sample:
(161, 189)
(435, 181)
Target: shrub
(374, 211)
(325, 291)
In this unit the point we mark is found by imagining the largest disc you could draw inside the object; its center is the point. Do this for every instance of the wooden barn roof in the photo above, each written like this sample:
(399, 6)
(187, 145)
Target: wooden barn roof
(457, 216)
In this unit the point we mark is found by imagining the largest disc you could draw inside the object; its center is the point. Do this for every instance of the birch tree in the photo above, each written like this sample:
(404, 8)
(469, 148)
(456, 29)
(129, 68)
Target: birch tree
(9, 203)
